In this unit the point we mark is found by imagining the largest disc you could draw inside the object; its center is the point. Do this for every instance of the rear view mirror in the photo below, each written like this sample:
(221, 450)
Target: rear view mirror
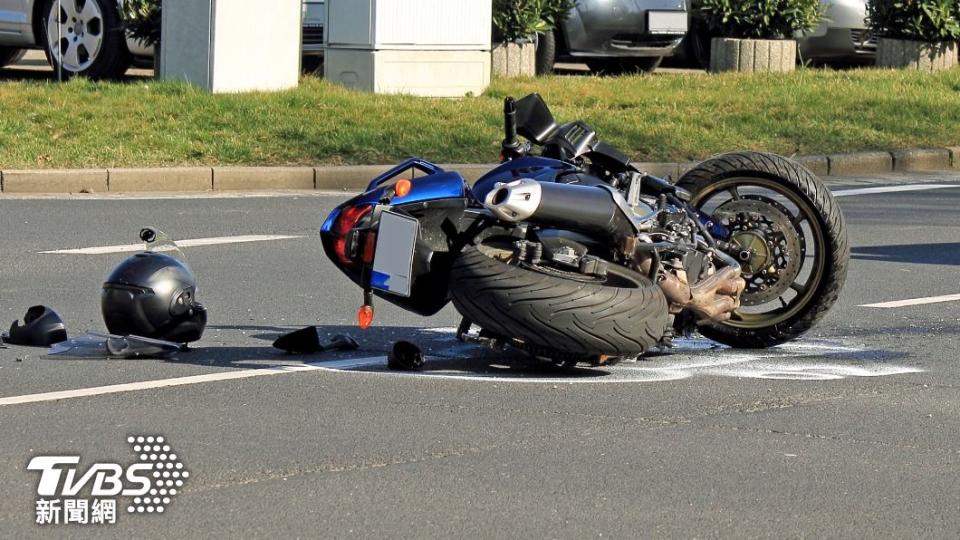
(534, 120)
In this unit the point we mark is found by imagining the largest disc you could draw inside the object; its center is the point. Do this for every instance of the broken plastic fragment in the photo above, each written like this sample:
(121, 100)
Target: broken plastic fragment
(93, 345)
(307, 341)
(157, 241)
(405, 356)
(303, 341)
(343, 342)
(42, 327)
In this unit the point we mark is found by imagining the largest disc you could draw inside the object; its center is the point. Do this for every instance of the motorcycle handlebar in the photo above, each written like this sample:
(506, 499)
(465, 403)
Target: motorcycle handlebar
(510, 123)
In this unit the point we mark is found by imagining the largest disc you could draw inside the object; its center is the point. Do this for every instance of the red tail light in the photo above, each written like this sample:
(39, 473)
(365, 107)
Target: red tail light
(346, 221)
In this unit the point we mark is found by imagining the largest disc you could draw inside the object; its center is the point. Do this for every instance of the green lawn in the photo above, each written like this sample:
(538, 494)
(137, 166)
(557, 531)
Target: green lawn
(653, 118)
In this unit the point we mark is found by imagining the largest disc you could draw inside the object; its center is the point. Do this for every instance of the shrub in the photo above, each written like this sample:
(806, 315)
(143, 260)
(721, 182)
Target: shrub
(759, 19)
(515, 20)
(917, 20)
(141, 18)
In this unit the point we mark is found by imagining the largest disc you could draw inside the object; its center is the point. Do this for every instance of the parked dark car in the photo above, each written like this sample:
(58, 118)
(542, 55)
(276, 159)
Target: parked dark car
(841, 38)
(615, 36)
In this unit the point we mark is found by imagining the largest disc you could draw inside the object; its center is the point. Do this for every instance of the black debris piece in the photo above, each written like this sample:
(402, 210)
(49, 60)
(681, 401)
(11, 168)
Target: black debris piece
(303, 341)
(41, 327)
(307, 341)
(405, 356)
(343, 342)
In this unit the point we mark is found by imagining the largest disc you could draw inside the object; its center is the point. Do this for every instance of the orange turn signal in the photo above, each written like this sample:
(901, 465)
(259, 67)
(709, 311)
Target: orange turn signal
(365, 316)
(402, 187)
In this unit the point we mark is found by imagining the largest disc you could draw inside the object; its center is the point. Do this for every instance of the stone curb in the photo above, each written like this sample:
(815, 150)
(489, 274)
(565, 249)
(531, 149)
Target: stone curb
(353, 178)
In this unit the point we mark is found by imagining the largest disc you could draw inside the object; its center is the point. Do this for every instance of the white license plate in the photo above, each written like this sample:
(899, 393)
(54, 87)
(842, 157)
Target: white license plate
(666, 22)
(393, 258)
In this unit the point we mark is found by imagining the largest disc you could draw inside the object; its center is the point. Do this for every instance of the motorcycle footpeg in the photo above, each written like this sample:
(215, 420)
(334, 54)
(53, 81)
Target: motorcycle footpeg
(468, 333)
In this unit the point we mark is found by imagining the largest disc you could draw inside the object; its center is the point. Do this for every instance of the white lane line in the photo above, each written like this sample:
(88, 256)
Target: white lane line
(892, 189)
(194, 379)
(190, 242)
(915, 301)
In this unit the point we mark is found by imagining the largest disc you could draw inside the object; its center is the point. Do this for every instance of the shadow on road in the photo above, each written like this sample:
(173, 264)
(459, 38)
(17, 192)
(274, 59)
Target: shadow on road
(943, 253)
(446, 354)
(449, 358)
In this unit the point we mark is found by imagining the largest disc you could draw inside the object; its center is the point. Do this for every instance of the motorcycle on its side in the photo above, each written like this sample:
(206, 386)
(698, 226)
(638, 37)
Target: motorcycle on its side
(576, 255)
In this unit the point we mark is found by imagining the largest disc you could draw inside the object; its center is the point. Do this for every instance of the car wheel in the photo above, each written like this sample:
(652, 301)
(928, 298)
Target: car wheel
(312, 65)
(9, 55)
(86, 37)
(699, 43)
(546, 53)
(620, 66)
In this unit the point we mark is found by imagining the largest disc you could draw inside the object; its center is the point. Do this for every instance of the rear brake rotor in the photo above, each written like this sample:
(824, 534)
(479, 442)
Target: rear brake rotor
(768, 245)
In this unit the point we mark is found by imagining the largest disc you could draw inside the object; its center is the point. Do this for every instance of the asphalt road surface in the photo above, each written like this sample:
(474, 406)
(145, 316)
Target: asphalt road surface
(848, 432)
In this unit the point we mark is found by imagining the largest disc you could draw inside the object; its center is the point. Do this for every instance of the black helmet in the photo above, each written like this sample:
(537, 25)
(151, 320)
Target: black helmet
(153, 295)
(41, 327)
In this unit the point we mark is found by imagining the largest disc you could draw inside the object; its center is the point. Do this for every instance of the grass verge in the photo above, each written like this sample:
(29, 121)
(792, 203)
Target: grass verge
(653, 118)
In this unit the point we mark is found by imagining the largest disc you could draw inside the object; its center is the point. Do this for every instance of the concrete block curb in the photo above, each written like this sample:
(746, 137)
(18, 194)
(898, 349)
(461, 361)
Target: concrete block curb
(954, 156)
(161, 179)
(347, 178)
(921, 159)
(55, 181)
(860, 164)
(663, 170)
(820, 165)
(355, 178)
(261, 178)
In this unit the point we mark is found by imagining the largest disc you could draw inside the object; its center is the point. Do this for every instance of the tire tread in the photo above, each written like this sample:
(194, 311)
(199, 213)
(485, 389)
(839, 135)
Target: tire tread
(807, 184)
(553, 314)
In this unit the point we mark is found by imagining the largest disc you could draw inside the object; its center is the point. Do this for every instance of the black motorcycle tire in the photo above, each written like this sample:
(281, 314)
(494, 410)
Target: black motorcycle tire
(557, 317)
(796, 178)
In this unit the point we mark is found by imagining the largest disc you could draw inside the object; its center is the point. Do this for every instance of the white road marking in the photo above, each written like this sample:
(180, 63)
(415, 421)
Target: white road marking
(892, 189)
(915, 301)
(803, 361)
(182, 381)
(191, 242)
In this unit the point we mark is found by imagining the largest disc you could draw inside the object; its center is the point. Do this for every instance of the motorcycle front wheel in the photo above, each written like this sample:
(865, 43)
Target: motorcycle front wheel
(787, 231)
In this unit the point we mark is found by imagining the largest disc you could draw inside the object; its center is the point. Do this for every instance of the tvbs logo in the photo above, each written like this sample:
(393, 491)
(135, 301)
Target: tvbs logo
(151, 482)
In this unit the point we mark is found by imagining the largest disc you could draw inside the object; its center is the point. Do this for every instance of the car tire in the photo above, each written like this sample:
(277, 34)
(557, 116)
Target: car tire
(9, 55)
(311, 65)
(623, 66)
(91, 41)
(546, 53)
(699, 41)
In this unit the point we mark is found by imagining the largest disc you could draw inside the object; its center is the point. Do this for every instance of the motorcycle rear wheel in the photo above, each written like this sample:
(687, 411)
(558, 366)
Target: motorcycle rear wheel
(557, 316)
(796, 199)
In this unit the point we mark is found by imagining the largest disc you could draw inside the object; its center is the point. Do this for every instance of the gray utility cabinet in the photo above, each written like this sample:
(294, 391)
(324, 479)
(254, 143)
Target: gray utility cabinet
(232, 45)
(422, 47)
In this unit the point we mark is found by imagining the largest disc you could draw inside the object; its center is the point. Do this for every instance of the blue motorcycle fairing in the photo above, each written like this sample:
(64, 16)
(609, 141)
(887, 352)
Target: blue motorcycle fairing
(533, 167)
(411, 163)
(436, 199)
(441, 185)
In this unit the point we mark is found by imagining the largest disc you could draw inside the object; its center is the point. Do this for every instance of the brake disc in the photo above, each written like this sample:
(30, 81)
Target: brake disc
(769, 246)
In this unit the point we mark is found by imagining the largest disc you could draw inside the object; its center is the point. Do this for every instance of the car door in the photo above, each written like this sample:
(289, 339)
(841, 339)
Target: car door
(13, 20)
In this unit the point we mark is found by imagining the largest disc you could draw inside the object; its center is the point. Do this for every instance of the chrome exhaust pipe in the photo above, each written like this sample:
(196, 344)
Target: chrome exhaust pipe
(564, 206)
